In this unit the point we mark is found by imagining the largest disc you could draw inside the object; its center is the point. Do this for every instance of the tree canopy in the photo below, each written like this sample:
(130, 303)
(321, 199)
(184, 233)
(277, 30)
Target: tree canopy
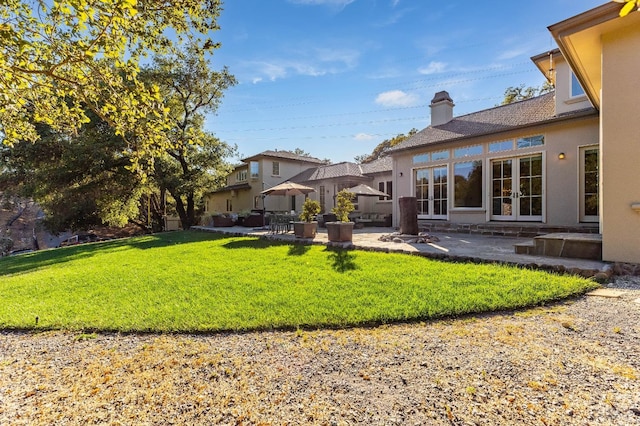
(382, 149)
(83, 180)
(62, 58)
(520, 93)
(195, 159)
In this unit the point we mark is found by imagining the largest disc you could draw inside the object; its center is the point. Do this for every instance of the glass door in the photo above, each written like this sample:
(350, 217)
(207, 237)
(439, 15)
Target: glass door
(431, 192)
(589, 185)
(516, 192)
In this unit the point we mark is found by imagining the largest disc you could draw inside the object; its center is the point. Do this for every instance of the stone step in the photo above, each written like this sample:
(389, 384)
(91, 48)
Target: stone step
(524, 248)
(569, 245)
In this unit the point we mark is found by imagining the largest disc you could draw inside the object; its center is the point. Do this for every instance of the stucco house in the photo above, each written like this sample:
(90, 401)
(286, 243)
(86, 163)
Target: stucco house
(329, 179)
(255, 174)
(566, 160)
(270, 168)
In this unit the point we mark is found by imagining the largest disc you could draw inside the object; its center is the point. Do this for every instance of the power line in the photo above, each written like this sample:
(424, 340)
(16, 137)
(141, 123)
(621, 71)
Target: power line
(440, 76)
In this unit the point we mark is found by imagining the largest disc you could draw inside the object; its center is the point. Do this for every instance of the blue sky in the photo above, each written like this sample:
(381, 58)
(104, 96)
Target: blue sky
(337, 77)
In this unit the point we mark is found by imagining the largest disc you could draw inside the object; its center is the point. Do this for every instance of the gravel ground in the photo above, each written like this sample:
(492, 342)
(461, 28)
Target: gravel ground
(576, 362)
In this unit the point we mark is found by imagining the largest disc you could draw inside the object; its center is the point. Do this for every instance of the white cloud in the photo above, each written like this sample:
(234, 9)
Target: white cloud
(348, 57)
(513, 53)
(363, 137)
(396, 98)
(433, 68)
(272, 71)
(313, 63)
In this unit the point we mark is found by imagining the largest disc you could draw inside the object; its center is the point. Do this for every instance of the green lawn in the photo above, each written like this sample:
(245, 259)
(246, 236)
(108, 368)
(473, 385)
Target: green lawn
(192, 281)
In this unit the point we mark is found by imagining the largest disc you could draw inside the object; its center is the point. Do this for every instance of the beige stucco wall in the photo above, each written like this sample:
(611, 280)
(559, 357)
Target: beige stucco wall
(242, 200)
(561, 183)
(564, 101)
(620, 145)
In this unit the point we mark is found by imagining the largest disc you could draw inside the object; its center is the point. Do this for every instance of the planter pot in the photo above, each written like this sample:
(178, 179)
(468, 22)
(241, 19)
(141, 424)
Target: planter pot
(305, 229)
(340, 231)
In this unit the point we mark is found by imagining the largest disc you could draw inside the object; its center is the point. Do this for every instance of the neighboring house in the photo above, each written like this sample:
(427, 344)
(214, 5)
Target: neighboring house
(269, 168)
(602, 49)
(255, 174)
(329, 179)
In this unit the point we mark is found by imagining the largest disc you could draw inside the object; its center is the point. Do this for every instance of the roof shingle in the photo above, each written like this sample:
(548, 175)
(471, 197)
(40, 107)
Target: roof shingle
(534, 111)
(285, 155)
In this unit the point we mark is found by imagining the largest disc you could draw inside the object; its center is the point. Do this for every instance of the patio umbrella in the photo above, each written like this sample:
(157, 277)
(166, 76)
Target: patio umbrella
(288, 188)
(367, 191)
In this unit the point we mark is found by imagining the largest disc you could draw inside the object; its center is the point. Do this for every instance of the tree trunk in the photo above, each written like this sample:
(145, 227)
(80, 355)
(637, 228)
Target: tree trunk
(408, 215)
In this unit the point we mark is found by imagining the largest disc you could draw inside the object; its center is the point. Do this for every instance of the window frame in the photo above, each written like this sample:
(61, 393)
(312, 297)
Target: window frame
(573, 82)
(480, 196)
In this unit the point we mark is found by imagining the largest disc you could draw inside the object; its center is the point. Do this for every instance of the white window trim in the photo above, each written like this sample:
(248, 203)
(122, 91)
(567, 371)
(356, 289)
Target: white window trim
(580, 152)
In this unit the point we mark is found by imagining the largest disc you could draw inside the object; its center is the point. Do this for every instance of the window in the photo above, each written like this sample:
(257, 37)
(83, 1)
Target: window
(467, 151)
(387, 190)
(322, 199)
(530, 141)
(500, 146)
(589, 185)
(254, 166)
(256, 202)
(468, 184)
(420, 158)
(576, 89)
(275, 168)
(241, 175)
(229, 206)
(439, 155)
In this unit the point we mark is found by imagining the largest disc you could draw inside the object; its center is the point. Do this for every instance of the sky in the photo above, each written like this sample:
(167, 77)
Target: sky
(337, 77)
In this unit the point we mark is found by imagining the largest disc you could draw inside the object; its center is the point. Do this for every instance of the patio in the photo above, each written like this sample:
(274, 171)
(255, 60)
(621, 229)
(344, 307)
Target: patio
(452, 246)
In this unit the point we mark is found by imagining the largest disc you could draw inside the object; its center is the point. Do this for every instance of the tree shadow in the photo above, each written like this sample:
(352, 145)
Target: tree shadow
(254, 243)
(35, 260)
(298, 249)
(342, 260)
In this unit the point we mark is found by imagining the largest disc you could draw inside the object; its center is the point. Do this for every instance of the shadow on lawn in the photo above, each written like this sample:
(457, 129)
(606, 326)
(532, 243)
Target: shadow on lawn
(39, 259)
(342, 260)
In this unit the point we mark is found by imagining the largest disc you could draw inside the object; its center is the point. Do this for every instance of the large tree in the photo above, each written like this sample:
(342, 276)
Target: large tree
(195, 159)
(79, 182)
(60, 58)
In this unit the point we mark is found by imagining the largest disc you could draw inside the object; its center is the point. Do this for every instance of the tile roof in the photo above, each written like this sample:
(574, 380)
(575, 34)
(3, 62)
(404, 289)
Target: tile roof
(285, 155)
(530, 112)
(344, 169)
(329, 171)
(381, 165)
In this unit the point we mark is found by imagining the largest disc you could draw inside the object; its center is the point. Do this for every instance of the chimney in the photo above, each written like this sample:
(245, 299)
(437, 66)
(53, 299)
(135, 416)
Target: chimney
(441, 108)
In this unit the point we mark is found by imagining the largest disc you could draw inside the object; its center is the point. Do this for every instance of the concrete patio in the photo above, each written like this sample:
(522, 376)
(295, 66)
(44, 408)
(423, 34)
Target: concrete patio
(452, 246)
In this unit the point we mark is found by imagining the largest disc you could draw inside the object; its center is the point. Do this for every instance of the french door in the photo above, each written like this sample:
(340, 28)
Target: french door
(431, 186)
(517, 188)
(589, 185)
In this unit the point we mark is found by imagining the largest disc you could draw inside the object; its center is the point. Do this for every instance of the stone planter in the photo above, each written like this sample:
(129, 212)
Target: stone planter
(340, 231)
(305, 229)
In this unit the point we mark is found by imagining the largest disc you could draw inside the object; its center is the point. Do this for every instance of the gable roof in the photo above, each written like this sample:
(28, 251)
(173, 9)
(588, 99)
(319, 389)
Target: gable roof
(530, 112)
(329, 171)
(381, 165)
(285, 155)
